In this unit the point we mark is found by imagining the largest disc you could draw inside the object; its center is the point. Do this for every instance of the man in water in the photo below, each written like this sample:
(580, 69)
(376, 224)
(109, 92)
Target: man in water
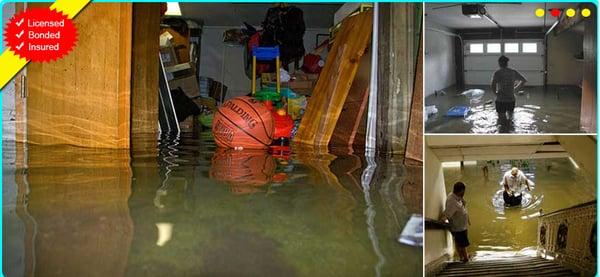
(505, 82)
(513, 181)
(456, 214)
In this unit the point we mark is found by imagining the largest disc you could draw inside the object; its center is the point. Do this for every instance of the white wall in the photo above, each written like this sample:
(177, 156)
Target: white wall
(563, 68)
(439, 59)
(14, 243)
(213, 50)
(438, 242)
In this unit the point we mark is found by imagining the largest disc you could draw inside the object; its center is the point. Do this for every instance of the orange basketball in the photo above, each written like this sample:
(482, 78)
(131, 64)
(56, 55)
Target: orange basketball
(244, 170)
(243, 122)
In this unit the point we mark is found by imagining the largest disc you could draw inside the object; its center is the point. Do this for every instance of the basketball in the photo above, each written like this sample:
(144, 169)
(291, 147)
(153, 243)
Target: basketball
(245, 171)
(243, 122)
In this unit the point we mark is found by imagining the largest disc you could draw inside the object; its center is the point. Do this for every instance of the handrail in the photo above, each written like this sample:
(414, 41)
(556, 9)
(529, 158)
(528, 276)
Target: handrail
(436, 224)
(593, 202)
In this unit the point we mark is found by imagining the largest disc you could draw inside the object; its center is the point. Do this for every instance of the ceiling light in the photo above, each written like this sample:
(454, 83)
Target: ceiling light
(173, 9)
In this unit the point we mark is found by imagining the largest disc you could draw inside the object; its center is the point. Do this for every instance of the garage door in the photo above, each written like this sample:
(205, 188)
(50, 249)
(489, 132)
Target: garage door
(481, 59)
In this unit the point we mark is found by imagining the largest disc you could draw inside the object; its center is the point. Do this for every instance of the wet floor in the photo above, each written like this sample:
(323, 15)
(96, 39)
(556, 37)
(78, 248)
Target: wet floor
(555, 110)
(558, 184)
(184, 209)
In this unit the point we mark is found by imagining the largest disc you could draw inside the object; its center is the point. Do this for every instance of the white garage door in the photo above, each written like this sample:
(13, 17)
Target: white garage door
(481, 59)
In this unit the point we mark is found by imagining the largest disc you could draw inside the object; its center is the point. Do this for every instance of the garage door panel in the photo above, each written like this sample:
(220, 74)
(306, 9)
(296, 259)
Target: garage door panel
(479, 67)
(484, 77)
(491, 63)
(481, 62)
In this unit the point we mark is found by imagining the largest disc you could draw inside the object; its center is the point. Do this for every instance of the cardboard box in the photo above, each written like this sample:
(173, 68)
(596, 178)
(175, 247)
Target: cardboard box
(306, 76)
(304, 87)
(179, 71)
(189, 85)
(188, 124)
(209, 103)
(168, 55)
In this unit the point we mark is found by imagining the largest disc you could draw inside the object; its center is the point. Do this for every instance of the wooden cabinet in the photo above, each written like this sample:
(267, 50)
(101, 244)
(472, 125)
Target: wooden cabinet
(85, 99)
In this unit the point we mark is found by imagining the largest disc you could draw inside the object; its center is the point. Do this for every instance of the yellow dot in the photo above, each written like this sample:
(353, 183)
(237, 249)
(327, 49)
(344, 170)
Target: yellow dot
(539, 12)
(586, 12)
(570, 12)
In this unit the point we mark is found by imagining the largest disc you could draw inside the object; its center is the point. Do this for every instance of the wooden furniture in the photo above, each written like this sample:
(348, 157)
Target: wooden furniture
(336, 79)
(85, 99)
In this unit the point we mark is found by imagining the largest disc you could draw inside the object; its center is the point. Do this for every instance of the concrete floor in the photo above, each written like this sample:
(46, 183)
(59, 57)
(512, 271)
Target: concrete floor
(554, 110)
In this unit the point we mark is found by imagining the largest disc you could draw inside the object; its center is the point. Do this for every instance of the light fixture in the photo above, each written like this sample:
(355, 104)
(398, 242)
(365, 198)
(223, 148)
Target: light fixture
(574, 163)
(173, 9)
(476, 11)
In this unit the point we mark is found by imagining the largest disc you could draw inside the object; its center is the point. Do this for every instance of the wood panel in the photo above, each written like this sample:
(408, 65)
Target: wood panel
(588, 94)
(83, 99)
(351, 127)
(414, 143)
(395, 67)
(144, 98)
(331, 90)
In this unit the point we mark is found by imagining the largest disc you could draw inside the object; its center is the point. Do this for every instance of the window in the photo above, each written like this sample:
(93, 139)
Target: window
(476, 47)
(530, 47)
(493, 47)
(511, 48)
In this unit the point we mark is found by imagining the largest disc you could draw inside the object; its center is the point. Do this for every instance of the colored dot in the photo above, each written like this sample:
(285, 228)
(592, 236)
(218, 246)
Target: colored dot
(586, 12)
(555, 12)
(539, 12)
(570, 12)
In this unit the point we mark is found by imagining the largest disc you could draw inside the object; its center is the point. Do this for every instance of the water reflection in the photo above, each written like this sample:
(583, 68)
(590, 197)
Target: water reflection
(556, 184)
(186, 208)
(537, 111)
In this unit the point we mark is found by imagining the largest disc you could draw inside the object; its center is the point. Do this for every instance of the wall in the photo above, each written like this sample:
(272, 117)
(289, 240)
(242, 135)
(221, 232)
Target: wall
(233, 74)
(439, 242)
(563, 68)
(15, 244)
(439, 59)
(8, 92)
(581, 149)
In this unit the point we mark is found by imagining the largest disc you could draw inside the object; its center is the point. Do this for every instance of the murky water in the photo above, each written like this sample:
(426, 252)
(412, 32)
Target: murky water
(558, 184)
(555, 110)
(185, 209)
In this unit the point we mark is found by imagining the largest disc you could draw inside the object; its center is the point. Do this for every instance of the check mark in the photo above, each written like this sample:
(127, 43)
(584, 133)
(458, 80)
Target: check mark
(19, 35)
(20, 46)
(20, 22)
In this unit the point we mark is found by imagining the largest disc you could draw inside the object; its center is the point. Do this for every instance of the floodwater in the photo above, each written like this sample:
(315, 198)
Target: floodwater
(555, 110)
(558, 184)
(182, 208)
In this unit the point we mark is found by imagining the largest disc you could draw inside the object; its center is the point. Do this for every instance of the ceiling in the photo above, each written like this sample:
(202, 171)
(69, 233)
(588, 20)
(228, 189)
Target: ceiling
(477, 148)
(234, 14)
(508, 15)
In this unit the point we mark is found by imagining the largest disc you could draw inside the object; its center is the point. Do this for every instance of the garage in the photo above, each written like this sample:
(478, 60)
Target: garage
(550, 49)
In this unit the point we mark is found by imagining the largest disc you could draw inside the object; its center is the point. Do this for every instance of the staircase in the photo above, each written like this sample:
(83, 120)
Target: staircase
(507, 266)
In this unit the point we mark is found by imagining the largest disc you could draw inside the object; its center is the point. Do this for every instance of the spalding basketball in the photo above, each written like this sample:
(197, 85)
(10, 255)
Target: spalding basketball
(243, 122)
(245, 171)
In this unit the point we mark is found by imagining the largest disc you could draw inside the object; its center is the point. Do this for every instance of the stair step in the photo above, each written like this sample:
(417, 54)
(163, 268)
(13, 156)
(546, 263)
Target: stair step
(502, 268)
(507, 267)
(563, 272)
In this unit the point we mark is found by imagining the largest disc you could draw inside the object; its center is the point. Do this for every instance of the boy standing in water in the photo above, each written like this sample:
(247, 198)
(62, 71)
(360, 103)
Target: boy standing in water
(456, 214)
(505, 82)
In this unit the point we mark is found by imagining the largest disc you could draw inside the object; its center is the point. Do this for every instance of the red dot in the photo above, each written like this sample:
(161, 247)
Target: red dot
(555, 12)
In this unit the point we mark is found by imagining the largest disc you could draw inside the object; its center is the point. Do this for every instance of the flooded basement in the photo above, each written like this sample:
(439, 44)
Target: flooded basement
(182, 208)
(554, 110)
(558, 184)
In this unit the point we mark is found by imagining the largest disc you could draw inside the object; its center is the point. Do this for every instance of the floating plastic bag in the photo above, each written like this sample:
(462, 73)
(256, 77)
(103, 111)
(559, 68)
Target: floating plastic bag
(474, 95)
(412, 234)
